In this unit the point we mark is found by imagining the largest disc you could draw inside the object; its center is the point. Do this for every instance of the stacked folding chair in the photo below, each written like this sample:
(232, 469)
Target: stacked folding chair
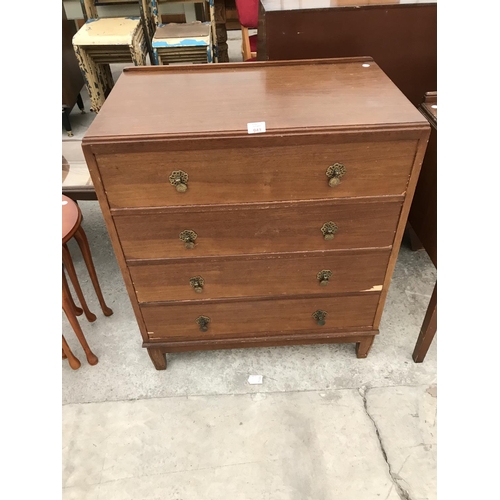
(104, 41)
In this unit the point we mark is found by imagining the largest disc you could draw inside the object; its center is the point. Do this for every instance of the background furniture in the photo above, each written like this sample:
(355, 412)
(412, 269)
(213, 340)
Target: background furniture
(173, 11)
(401, 36)
(76, 180)
(422, 221)
(72, 79)
(193, 42)
(221, 30)
(100, 42)
(71, 228)
(248, 14)
(224, 238)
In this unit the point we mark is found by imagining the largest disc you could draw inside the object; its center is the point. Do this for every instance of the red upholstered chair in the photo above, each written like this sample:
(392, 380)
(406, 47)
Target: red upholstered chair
(248, 14)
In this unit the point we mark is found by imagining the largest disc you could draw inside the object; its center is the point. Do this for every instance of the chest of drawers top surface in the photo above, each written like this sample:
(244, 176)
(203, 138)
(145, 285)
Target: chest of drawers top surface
(223, 99)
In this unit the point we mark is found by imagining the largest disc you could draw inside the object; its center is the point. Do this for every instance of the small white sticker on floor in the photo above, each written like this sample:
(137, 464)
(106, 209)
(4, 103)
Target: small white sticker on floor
(256, 128)
(255, 379)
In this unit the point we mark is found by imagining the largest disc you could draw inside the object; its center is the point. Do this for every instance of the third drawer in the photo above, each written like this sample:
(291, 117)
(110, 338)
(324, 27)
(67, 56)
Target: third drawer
(278, 275)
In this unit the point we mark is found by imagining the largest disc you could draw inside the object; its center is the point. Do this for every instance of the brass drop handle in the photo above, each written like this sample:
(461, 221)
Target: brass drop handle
(203, 322)
(334, 173)
(197, 283)
(188, 237)
(320, 317)
(329, 230)
(179, 179)
(324, 277)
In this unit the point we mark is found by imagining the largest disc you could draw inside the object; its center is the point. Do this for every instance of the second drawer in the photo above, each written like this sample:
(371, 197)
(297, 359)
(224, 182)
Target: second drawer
(286, 274)
(240, 229)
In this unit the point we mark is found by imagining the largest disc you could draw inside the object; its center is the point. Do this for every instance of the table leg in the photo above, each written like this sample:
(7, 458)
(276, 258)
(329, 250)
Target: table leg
(73, 361)
(415, 243)
(429, 327)
(91, 357)
(68, 264)
(77, 310)
(81, 239)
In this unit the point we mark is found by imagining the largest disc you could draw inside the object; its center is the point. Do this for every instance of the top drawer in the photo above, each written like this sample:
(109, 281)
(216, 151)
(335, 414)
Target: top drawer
(256, 174)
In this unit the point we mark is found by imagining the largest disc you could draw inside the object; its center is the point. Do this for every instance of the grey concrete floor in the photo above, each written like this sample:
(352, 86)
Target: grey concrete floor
(323, 424)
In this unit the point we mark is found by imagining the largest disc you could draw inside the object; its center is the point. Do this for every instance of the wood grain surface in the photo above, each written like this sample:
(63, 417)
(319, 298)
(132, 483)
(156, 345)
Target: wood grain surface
(251, 229)
(276, 275)
(297, 95)
(258, 317)
(400, 36)
(256, 174)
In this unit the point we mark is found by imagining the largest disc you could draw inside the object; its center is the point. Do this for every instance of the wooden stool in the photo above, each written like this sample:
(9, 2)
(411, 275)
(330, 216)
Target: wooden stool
(71, 227)
(100, 42)
(189, 43)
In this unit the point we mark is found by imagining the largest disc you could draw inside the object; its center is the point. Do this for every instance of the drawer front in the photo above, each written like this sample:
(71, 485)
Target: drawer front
(258, 318)
(286, 274)
(266, 229)
(256, 174)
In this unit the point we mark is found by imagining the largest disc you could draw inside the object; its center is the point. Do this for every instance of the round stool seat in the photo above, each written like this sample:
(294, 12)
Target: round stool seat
(71, 218)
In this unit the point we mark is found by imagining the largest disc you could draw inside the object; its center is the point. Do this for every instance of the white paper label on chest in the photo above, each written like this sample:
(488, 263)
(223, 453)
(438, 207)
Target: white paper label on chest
(256, 128)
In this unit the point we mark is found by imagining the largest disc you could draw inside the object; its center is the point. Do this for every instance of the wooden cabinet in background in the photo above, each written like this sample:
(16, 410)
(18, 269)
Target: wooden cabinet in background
(401, 36)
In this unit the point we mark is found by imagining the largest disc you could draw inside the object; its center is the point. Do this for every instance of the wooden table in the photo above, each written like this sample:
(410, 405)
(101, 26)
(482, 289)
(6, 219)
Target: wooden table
(422, 221)
(400, 36)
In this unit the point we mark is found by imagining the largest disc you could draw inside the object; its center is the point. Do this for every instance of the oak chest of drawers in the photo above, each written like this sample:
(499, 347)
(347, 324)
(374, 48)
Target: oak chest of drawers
(227, 238)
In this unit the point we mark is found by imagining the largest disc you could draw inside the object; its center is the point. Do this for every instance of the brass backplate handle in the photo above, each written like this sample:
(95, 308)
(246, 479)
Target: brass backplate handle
(179, 179)
(334, 173)
(197, 283)
(188, 237)
(203, 322)
(329, 229)
(324, 277)
(320, 317)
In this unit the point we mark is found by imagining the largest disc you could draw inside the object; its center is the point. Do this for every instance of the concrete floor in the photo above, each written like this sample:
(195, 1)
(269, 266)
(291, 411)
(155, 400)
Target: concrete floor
(323, 425)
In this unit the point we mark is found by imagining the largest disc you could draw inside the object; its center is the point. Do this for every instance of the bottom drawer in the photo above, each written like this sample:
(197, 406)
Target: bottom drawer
(259, 317)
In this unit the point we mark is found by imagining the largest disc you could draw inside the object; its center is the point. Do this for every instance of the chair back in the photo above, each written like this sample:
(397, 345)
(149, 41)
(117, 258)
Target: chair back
(248, 13)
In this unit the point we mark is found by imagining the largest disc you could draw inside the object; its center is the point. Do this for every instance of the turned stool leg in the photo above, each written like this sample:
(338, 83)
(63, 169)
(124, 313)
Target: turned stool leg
(91, 357)
(73, 361)
(68, 264)
(429, 327)
(76, 309)
(83, 243)
(363, 347)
